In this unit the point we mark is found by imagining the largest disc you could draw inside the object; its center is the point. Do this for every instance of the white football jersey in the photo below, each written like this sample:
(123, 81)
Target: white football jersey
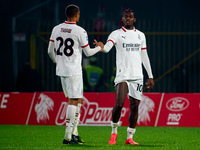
(129, 44)
(69, 39)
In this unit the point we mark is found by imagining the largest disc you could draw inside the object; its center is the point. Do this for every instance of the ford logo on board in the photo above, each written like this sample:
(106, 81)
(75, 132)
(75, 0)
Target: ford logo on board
(177, 104)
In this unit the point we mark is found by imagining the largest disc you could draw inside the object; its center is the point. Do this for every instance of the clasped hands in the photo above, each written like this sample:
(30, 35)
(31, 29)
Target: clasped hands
(99, 44)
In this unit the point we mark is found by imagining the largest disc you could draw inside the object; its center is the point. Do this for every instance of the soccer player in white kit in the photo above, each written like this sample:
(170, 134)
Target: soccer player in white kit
(65, 49)
(131, 53)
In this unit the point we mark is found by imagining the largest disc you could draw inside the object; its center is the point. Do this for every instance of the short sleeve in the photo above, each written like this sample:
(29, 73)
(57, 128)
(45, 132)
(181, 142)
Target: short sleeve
(83, 39)
(112, 37)
(143, 44)
(52, 37)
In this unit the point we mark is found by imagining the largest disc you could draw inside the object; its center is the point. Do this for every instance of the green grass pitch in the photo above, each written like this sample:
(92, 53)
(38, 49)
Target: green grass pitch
(97, 137)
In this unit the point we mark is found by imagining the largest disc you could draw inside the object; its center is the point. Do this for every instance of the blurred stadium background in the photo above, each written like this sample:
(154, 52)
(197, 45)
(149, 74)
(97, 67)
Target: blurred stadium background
(171, 28)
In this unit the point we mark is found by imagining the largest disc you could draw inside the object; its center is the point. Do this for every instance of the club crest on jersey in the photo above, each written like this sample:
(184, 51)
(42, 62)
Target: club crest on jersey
(139, 37)
(131, 46)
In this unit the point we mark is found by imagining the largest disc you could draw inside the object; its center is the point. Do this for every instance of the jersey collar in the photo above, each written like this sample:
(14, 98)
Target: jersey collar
(67, 22)
(125, 30)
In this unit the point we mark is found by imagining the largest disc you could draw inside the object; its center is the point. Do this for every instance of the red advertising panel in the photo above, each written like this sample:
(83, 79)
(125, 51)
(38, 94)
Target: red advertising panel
(46, 107)
(148, 109)
(97, 108)
(14, 107)
(180, 110)
(49, 108)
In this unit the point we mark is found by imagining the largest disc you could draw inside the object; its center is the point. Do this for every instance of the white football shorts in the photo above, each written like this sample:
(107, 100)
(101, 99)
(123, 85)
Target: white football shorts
(135, 88)
(72, 86)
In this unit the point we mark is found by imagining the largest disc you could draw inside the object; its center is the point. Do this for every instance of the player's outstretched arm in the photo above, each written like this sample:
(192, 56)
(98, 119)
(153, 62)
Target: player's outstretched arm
(91, 51)
(108, 46)
(105, 48)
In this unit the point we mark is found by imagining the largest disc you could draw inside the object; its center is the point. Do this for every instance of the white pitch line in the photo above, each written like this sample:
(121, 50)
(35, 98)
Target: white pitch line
(30, 109)
(157, 117)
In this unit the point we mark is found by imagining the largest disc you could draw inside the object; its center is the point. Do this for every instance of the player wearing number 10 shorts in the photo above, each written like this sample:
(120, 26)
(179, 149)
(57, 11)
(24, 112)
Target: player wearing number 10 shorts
(131, 53)
(66, 44)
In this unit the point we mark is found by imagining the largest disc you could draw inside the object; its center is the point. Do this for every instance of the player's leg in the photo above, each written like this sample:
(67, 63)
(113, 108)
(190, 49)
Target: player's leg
(69, 87)
(70, 118)
(75, 135)
(121, 92)
(77, 117)
(76, 91)
(133, 116)
(135, 95)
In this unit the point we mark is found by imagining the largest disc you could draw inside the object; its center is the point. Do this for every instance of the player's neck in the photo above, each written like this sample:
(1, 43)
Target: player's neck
(71, 19)
(129, 28)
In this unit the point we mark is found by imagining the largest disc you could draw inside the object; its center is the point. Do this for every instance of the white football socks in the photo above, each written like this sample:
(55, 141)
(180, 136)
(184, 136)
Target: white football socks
(70, 117)
(77, 118)
(114, 127)
(130, 132)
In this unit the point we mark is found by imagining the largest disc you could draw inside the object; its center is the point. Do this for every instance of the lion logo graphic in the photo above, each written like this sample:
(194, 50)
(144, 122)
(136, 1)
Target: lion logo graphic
(146, 105)
(42, 107)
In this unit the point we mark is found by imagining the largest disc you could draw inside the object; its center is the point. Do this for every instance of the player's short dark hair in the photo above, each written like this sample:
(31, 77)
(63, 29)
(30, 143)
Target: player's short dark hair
(71, 10)
(129, 10)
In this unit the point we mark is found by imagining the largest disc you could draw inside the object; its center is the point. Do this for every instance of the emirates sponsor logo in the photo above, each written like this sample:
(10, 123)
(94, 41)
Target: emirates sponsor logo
(177, 104)
(44, 104)
(146, 106)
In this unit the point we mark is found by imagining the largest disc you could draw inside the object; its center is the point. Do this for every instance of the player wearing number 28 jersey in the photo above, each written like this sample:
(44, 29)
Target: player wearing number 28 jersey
(68, 39)
(66, 44)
